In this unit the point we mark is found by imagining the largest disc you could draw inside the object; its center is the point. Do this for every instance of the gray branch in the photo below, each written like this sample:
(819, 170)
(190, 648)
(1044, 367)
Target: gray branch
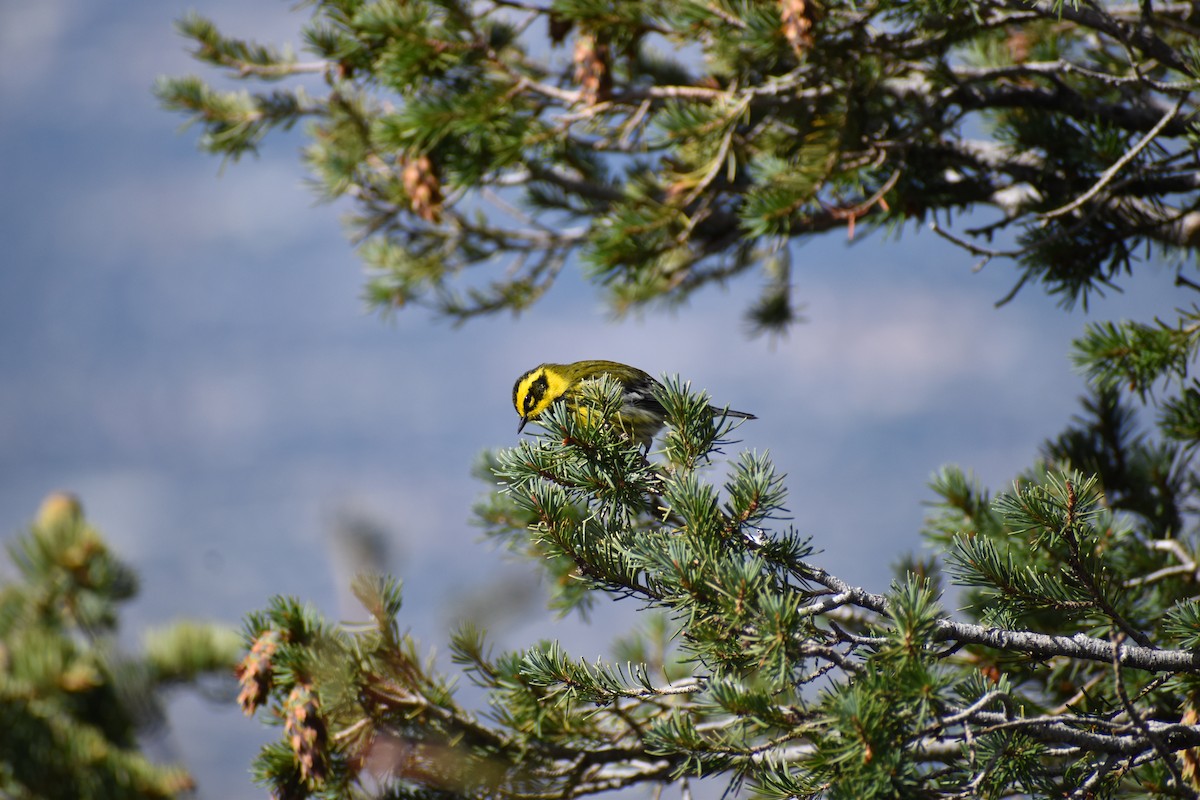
(1037, 645)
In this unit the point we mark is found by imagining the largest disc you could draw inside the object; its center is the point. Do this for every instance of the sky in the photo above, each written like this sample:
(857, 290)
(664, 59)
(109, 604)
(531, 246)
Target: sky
(185, 346)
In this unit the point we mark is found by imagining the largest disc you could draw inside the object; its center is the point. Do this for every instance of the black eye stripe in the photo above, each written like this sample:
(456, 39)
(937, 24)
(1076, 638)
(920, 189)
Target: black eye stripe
(537, 390)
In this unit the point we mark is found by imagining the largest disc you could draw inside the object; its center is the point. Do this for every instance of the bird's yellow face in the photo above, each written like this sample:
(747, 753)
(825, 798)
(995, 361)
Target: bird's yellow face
(536, 390)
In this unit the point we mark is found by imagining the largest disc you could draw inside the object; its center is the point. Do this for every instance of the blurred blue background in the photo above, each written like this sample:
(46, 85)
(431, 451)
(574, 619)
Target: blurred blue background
(186, 348)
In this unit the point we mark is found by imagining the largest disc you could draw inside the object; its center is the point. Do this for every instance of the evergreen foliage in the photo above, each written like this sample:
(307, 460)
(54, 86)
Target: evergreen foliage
(1069, 672)
(72, 706)
(672, 144)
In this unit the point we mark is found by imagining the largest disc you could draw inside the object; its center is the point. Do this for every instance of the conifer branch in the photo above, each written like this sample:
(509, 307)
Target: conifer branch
(472, 91)
(1037, 645)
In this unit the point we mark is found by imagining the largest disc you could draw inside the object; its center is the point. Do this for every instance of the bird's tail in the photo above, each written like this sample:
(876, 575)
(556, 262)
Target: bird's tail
(729, 412)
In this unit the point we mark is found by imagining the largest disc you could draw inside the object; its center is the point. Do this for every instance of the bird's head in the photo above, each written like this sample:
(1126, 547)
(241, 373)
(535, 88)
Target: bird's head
(534, 391)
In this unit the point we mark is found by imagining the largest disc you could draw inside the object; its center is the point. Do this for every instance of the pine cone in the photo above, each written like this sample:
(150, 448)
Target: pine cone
(305, 731)
(423, 188)
(255, 673)
(593, 69)
(797, 16)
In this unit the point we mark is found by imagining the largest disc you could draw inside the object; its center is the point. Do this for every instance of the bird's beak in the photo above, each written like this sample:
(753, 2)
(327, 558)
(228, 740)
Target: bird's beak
(521, 426)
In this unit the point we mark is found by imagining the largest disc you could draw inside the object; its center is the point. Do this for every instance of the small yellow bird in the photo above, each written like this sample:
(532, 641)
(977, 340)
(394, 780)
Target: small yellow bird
(640, 414)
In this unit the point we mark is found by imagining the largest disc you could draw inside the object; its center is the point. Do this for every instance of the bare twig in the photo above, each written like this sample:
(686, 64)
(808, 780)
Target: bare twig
(1159, 747)
(1187, 565)
(991, 697)
(987, 253)
(1112, 171)
(1062, 67)
(1087, 788)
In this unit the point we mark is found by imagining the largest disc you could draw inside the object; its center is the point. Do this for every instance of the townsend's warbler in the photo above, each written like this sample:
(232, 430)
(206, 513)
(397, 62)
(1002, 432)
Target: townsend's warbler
(641, 414)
